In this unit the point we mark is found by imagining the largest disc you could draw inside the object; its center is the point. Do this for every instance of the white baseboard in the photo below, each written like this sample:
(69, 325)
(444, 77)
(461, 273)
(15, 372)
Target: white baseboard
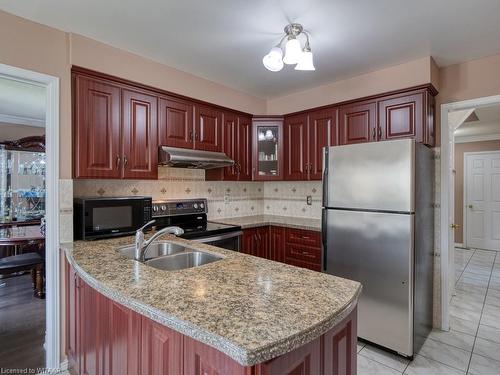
(461, 245)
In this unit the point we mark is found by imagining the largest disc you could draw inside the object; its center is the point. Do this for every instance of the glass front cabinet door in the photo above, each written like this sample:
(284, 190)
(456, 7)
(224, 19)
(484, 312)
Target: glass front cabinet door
(268, 148)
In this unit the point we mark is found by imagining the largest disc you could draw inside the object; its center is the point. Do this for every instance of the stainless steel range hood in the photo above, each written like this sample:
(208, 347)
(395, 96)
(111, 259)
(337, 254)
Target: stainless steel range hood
(186, 158)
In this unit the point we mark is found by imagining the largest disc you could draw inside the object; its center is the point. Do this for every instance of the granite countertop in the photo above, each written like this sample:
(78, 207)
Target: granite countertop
(262, 220)
(249, 308)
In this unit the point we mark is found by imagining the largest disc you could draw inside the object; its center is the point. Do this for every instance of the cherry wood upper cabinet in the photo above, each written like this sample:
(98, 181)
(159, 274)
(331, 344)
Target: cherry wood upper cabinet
(267, 148)
(140, 135)
(96, 129)
(208, 129)
(229, 147)
(295, 142)
(244, 148)
(175, 126)
(429, 115)
(401, 117)
(323, 132)
(358, 123)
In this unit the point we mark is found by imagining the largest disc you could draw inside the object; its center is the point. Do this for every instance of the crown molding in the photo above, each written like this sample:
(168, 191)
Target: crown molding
(21, 120)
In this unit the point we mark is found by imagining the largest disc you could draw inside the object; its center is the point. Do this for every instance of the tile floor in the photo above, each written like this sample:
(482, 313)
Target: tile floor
(473, 344)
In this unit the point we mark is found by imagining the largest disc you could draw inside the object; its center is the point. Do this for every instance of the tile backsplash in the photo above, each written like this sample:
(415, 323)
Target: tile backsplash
(225, 198)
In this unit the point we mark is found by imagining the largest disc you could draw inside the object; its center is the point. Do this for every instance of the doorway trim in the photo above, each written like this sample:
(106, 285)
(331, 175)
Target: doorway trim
(52, 261)
(445, 195)
(464, 219)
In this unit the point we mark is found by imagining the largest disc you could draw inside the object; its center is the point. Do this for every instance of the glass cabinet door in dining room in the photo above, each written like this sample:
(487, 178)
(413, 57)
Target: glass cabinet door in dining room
(267, 148)
(22, 184)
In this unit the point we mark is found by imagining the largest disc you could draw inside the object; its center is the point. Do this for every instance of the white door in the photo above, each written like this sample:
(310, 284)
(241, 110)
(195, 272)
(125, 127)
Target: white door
(482, 200)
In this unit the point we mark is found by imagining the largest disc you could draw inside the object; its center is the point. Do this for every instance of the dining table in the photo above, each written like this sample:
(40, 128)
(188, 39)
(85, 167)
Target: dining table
(21, 236)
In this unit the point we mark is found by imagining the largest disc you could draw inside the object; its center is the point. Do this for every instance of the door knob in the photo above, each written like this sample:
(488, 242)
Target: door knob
(454, 226)
(471, 206)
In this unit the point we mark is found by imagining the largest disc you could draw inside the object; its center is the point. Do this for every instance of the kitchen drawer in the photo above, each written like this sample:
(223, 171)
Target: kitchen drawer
(303, 237)
(302, 264)
(303, 253)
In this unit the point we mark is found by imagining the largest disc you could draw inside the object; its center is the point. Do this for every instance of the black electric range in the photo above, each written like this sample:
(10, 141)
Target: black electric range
(191, 216)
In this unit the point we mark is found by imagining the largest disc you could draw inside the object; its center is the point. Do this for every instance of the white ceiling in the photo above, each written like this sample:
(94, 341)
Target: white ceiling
(21, 103)
(488, 125)
(225, 40)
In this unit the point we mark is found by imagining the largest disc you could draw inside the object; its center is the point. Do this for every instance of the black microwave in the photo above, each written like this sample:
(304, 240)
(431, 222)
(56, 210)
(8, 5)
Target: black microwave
(97, 218)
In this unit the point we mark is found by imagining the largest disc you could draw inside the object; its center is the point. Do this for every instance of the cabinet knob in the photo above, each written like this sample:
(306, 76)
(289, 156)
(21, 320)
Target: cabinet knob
(471, 206)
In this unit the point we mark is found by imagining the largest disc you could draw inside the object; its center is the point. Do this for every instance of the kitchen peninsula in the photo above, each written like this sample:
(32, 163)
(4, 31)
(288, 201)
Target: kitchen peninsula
(238, 315)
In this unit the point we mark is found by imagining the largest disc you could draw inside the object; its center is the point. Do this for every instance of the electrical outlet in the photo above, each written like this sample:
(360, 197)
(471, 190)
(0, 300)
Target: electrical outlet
(227, 198)
(309, 200)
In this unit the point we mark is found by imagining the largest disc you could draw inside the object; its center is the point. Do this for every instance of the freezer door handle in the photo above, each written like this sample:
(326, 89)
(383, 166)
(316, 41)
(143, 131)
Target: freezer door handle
(324, 231)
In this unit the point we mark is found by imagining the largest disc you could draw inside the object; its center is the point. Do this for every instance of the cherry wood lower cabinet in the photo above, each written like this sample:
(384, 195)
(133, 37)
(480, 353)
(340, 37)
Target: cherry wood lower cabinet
(106, 338)
(297, 247)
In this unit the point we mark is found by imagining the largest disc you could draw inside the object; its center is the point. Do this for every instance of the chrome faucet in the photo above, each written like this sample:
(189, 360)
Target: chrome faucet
(141, 245)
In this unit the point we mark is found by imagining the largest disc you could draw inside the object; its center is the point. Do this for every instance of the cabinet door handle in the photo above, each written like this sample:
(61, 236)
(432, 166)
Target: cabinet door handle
(374, 134)
(305, 237)
(196, 136)
(125, 161)
(191, 135)
(379, 132)
(118, 160)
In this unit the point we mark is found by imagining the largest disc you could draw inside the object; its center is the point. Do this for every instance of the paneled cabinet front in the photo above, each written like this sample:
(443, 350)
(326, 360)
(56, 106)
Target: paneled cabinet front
(115, 131)
(140, 135)
(208, 129)
(305, 137)
(296, 158)
(358, 123)
(175, 126)
(96, 129)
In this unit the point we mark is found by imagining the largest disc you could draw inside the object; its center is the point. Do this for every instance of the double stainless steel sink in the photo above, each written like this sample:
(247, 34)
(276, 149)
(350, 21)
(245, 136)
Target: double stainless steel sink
(169, 256)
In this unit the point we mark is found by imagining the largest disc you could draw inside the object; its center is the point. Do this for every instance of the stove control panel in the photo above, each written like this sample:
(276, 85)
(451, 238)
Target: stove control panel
(179, 207)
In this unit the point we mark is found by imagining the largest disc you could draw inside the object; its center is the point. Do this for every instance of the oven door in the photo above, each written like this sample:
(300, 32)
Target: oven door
(113, 217)
(229, 241)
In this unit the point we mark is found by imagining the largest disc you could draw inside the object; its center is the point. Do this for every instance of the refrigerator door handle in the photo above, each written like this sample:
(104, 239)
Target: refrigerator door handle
(324, 232)
(325, 176)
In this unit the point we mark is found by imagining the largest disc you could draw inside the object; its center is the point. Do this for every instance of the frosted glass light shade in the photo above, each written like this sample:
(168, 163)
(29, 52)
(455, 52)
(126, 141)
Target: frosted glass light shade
(306, 61)
(293, 50)
(273, 61)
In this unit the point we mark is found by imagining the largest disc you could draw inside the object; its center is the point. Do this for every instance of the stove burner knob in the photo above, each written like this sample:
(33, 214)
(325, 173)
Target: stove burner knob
(202, 205)
(163, 208)
(155, 208)
(195, 206)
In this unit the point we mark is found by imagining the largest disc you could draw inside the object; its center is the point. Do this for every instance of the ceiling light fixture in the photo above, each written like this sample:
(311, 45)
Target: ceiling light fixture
(294, 54)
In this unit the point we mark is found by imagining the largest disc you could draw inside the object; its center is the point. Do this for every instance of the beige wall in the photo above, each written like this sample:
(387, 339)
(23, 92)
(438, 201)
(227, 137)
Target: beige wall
(401, 76)
(29, 45)
(468, 80)
(33, 46)
(12, 132)
(460, 148)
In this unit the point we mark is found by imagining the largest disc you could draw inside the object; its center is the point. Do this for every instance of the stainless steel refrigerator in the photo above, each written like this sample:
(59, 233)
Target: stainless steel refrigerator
(378, 229)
